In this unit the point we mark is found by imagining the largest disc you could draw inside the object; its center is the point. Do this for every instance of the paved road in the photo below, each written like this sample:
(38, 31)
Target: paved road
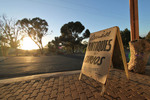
(30, 65)
(22, 66)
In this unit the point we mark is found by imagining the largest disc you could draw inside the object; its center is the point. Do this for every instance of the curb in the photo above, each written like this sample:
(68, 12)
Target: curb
(11, 80)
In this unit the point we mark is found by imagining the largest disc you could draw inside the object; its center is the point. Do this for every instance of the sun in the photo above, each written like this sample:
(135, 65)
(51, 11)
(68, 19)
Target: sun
(28, 44)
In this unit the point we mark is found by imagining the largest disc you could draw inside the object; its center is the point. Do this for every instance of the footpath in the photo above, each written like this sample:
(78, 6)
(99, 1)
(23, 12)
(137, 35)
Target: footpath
(66, 86)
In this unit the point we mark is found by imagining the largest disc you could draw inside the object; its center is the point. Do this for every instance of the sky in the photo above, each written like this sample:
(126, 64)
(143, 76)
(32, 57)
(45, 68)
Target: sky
(95, 15)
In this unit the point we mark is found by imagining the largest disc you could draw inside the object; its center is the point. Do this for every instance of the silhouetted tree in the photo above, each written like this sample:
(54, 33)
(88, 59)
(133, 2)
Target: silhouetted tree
(71, 34)
(11, 34)
(125, 34)
(36, 28)
(148, 35)
(56, 42)
(51, 47)
(86, 34)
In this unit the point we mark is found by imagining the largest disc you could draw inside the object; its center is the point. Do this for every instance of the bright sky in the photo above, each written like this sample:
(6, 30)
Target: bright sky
(93, 14)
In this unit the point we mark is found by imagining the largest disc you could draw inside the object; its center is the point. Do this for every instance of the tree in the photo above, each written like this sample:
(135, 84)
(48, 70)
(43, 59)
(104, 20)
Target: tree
(11, 34)
(87, 33)
(125, 34)
(4, 46)
(71, 34)
(53, 46)
(56, 42)
(148, 35)
(36, 29)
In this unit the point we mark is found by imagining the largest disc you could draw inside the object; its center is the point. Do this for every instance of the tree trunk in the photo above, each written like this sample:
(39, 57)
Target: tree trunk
(139, 50)
(73, 49)
(16, 51)
(41, 50)
(4, 50)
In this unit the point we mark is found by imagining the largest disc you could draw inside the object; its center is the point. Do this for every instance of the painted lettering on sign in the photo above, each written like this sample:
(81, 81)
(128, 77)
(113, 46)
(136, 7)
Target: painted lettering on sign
(94, 60)
(104, 45)
(93, 37)
(98, 54)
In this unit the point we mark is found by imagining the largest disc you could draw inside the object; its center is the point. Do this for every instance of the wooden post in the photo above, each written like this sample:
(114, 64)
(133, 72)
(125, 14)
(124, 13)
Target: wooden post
(139, 49)
(134, 20)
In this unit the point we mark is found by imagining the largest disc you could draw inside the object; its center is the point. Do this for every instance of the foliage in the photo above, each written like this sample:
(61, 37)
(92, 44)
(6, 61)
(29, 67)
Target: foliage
(10, 34)
(54, 45)
(56, 42)
(51, 47)
(36, 29)
(71, 34)
(86, 34)
(125, 34)
(148, 35)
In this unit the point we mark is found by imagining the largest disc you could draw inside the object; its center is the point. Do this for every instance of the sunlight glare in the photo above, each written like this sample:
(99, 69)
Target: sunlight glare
(28, 44)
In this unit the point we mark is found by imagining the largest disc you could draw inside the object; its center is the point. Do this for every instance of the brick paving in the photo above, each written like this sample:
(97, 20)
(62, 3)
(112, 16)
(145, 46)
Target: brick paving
(68, 87)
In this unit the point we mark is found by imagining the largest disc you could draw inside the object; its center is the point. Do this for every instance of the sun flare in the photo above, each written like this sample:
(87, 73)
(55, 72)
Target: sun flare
(28, 44)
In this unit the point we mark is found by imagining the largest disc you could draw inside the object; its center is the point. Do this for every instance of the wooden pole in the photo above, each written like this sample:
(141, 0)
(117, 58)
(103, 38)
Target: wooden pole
(134, 20)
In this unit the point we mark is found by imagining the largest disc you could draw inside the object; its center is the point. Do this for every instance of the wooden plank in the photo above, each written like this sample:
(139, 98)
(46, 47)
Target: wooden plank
(122, 53)
(132, 25)
(99, 53)
(136, 19)
(98, 57)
